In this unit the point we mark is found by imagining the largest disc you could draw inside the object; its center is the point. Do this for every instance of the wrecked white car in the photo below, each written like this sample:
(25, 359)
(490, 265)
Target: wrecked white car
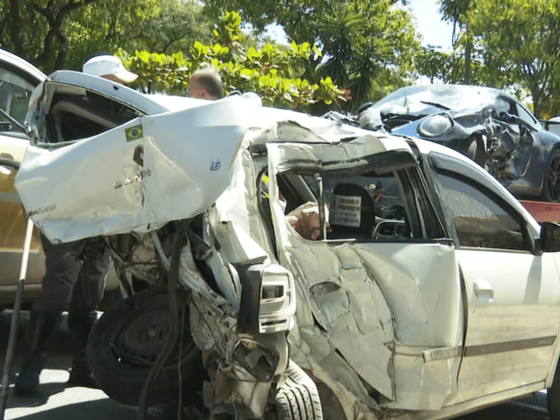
(428, 290)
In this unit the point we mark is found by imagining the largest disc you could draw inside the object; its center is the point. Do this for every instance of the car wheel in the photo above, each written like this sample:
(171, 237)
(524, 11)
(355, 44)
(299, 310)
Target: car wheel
(551, 182)
(298, 399)
(125, 342)
(553, 397)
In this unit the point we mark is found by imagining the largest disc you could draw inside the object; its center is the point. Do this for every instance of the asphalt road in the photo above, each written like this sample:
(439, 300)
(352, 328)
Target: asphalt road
(55, 400)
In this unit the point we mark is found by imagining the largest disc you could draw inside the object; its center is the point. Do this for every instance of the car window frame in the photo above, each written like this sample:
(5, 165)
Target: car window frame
(522, 111)
(425, 221)
(27, 76)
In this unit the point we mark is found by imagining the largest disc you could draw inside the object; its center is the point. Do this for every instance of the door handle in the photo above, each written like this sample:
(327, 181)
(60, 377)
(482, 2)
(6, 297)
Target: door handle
(483, 290)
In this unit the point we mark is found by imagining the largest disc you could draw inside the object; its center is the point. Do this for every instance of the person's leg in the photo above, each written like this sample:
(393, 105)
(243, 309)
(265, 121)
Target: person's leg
(39, 334)
(62, 268)
(82, 315)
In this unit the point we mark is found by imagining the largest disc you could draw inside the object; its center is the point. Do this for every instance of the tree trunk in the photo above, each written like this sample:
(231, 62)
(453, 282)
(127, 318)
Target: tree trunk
(468, 53)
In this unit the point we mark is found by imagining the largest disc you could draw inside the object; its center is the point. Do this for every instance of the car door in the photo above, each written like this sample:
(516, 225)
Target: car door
(17, 80)
(512, 291)
(379, 297)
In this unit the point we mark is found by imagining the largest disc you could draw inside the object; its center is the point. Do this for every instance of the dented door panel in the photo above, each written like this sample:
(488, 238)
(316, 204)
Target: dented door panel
(513, 320)
(382, 317)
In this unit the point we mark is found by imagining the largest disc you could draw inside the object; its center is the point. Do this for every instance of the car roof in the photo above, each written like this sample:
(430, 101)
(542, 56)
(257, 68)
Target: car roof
(454, 97)
(147, 104)
(23, 68)
(452, 89)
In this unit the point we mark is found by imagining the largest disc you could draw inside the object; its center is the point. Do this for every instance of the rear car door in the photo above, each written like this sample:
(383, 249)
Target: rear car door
(17, 81)
(379, 296)
(512, 291)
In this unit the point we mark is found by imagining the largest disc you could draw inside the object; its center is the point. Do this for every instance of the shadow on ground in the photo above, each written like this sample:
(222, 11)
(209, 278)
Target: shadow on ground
(87, 410)
(57, 401)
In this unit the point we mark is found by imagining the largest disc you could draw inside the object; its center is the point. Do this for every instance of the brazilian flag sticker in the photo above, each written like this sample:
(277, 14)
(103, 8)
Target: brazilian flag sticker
(134, 133)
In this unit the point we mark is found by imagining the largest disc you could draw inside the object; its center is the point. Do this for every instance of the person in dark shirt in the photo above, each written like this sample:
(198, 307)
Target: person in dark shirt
(74, 281)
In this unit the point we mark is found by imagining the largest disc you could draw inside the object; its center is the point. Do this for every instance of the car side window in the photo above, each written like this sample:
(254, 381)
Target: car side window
(77, 115)
(367, 207)
(480, 220)
(526, 116)
(15, 92)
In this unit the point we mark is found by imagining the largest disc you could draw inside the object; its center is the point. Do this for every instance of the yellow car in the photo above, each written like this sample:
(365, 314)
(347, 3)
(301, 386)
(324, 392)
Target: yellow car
(18, 78)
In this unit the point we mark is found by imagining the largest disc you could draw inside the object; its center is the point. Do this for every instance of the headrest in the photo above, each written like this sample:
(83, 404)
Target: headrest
(351, 210)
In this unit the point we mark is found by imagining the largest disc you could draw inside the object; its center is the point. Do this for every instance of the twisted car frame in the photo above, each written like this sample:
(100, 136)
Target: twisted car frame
(490, 126)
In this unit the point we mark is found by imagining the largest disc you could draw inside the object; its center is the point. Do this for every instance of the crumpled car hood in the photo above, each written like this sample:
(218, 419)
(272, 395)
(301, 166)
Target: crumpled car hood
(509, 145)
(476, 114)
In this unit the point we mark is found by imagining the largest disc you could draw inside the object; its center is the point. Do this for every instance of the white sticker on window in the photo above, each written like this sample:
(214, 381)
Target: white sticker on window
(345, 210)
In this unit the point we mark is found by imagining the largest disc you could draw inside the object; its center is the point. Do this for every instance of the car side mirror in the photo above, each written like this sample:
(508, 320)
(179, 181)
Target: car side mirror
(550, 237)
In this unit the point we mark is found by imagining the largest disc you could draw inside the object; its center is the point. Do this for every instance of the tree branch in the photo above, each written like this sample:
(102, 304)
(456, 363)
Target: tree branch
(14, 27)
(55, 18)
(3, 24)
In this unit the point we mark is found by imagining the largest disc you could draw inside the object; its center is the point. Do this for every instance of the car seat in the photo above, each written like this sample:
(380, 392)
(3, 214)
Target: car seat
(351, 213)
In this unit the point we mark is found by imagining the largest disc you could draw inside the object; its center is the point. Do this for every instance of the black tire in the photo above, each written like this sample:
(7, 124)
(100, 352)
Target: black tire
(124, 344)
(553, 397)
(298, 399)
(551, 182)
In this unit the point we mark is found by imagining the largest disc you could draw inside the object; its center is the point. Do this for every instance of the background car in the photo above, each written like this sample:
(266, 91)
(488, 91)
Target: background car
(490, 126)
(18, 78)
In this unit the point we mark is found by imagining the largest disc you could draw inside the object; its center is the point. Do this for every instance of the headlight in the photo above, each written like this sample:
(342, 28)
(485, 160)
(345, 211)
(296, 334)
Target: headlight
(435, 125)
(278, 300)
(268, 299)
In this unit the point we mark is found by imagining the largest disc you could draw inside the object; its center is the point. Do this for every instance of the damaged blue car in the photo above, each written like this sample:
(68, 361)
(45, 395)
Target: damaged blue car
(490, 126)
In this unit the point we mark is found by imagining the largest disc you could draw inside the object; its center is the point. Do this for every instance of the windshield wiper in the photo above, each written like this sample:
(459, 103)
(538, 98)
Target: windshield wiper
(440, 106)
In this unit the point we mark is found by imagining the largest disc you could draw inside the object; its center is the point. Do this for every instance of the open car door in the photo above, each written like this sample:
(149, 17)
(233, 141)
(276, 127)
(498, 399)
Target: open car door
(380, 310)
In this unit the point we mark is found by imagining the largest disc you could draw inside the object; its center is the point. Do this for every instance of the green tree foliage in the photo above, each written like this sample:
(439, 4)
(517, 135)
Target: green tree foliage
(35, 29)
(269, 71)
(449, 67)
(55, 34)
(178, 23)
(521, 45)
(105, 26)
(367, 45)
(455, 12)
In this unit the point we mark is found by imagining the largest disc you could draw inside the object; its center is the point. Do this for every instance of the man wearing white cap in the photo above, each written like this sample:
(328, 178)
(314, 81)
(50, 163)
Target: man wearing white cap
(109, 67)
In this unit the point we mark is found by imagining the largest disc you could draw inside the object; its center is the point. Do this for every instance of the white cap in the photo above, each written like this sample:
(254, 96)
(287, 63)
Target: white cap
(108, 64)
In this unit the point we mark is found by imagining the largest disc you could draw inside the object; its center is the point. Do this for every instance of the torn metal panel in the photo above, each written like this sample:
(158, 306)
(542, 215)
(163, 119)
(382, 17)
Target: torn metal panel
(368, 298)
(339, 313)
(421, 385)
(145, 180)
(329, 279)
(312, 351)
(422, 287)
(299, 128)
(238, 205)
